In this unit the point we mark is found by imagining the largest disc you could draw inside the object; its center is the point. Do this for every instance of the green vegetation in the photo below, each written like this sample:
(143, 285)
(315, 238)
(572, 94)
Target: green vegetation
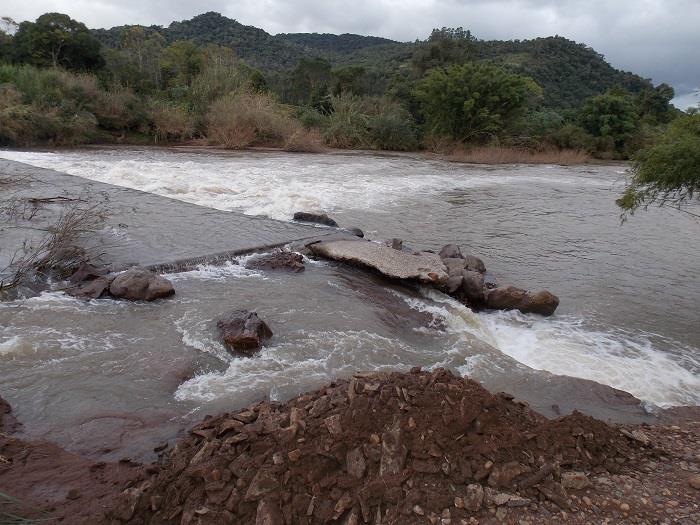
(215, 80)
(667, 173)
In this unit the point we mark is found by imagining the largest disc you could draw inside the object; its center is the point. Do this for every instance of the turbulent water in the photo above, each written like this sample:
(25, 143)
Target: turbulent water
(629, 293)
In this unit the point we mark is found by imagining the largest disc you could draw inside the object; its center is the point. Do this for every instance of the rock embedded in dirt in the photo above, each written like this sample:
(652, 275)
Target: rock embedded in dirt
(141, 285)
(512, 298)
(243, 331)
(93, 289)
(315, 218)
(425, 267)
(289, 261)
(574, 480)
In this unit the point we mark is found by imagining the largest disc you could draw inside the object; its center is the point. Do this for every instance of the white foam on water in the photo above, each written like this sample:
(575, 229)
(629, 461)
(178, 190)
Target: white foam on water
(15, 346)
(277, 185)
(307, 359)
(218, 272)
(628, 361)
(566, 346)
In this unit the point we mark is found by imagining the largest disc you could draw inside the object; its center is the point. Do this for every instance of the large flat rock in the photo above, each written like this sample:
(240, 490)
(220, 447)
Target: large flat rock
(423, 267)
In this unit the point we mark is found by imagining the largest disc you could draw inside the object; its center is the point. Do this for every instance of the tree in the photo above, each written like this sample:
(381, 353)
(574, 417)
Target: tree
(308, 83)
(444, 47)
(654, 104)
(611, 115)
(57, 40)
(472, 101)
(667, 173)
(181, 62)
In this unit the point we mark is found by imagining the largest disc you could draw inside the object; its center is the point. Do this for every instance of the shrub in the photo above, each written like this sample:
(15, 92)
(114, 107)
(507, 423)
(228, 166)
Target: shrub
(170, 122)
(347, 125)
(249, 119)
(393, 128)
(305, 140)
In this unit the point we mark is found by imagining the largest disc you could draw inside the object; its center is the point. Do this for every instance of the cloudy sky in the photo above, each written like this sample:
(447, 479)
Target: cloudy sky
(658, 39)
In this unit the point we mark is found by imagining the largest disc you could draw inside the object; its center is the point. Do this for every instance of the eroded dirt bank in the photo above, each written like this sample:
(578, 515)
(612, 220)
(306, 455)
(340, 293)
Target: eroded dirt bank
(419, 447)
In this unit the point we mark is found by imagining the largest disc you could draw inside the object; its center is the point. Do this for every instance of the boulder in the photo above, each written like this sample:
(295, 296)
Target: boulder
(288, 261)
(474, 264)
(453, 284)
(473, 287)
(450, 251)
(86, 272)
(424, 267)
(141, 285)
(93, 289)
(512, 298)
(357, 232)
(315, 218)
(454, 265)
(243, 331)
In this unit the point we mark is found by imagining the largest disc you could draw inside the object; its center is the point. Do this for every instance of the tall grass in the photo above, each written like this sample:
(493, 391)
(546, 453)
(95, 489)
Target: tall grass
(239, 121)
(509, 155)
(16, 512)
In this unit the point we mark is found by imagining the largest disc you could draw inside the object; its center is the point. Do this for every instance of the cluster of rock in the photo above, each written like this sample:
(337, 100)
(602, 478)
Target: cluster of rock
(461, 276)
(136, 284)
(380, 448)
(467, 282)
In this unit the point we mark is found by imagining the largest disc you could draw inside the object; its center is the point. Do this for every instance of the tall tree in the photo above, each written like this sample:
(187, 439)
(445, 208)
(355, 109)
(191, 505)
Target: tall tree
(473, 101)
(612, 116)
(56, 40)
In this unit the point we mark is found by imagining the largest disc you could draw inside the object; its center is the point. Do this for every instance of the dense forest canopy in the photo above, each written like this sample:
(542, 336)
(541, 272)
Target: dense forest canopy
(567, 71)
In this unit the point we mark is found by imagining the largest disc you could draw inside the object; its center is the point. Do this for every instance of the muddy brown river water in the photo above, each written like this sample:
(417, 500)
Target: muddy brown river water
(111, 379)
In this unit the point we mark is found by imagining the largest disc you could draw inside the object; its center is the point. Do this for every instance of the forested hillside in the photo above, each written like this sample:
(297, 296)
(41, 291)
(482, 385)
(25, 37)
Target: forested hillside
(568, 72)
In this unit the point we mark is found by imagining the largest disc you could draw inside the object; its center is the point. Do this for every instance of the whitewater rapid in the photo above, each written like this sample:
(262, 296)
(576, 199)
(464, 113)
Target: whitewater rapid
(599, 333)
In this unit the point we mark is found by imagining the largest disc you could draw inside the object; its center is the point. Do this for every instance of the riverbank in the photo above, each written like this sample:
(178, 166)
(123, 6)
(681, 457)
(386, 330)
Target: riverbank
(418, 447)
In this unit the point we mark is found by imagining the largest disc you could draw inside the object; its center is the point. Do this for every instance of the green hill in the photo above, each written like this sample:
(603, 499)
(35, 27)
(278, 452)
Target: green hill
(568, 72)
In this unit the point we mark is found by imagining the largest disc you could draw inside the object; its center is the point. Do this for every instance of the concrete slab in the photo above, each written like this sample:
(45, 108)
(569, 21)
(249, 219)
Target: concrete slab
(141, 228)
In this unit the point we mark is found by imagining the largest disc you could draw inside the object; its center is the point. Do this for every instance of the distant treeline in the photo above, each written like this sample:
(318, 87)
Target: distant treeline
(215, 80)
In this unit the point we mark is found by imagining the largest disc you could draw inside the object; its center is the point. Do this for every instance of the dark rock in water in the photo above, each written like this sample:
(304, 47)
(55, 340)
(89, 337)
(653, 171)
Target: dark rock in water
(140, 285)
(357, 232)
(316, 218)
(289, 261)
(542, 302)
(8, 423)
(395, 244)
(512, 298)
(86, 272)
(243, 331)
(450, 251)
(474, 264)
(453, 284)
(473, 287)
(455, 265)
(93, 289)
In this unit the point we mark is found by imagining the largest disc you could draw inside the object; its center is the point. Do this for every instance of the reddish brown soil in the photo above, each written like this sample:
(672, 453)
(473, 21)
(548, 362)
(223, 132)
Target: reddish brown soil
(388, 448)
(382, 448)
(52, 483)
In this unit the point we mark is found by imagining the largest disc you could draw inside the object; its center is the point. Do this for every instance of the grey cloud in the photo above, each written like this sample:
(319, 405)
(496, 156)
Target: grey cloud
(658, 39)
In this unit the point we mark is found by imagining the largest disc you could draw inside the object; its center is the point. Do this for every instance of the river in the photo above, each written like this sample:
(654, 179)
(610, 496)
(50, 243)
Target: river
(125, 375)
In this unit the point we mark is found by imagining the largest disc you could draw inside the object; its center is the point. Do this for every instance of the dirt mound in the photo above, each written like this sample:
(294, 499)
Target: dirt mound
(380, 448)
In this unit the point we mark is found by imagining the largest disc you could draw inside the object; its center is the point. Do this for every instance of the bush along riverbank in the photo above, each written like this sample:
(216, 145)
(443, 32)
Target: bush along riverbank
(381, 447)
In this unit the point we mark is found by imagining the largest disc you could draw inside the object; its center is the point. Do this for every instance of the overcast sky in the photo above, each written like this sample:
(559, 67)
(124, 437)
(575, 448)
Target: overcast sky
(659, 39)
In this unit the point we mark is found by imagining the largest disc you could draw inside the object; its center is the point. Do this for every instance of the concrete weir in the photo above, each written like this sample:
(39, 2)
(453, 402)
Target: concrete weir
(140, 228)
